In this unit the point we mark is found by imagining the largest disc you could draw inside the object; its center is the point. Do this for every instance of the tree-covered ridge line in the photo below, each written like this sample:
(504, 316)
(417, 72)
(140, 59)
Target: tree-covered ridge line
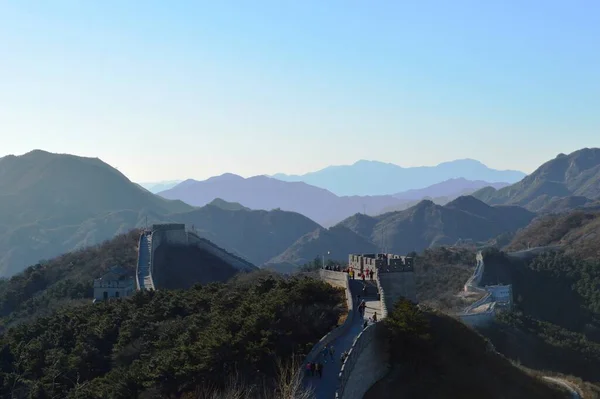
(51, 284)
(168, 342)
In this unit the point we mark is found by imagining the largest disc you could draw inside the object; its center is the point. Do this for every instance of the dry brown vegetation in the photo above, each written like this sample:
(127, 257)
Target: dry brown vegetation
(578, 232)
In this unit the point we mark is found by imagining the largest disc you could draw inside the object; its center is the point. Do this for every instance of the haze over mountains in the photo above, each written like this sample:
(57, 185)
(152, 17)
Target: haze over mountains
(52, 203)
(379, 178)
(322, 206)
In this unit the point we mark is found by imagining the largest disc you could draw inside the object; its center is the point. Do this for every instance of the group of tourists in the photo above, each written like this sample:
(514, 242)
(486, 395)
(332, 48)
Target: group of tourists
(351, 272)
(316, 368)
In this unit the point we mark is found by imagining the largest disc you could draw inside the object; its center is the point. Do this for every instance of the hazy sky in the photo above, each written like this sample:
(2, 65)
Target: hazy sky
(177, 89)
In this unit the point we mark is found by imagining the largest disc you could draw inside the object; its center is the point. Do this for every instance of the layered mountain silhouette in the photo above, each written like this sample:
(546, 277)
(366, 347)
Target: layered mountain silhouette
(322, 206)
(262, 192)
(422, 226)
(573, 175)
(52, 204)
(440, 193)
(378, 178)
(451, 188)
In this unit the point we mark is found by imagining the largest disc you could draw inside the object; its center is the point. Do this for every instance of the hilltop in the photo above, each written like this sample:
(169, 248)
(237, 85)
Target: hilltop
(265, 193)
(576, 174)
(54, 203)
(379, 178)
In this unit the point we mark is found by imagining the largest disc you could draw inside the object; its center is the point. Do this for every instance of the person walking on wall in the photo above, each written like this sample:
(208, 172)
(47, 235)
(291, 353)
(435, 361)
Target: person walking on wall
(308, 369)
(363, 277)
(375, 317)
(371, 273)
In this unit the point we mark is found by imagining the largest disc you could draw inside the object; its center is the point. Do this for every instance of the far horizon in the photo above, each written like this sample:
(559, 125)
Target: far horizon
(272, 87)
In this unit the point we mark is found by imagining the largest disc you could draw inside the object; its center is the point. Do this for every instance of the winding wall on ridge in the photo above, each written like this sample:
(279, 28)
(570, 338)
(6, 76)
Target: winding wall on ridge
(176, 234)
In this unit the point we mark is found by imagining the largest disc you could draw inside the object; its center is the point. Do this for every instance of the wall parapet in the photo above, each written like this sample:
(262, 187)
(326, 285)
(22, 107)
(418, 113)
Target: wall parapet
(384, 311)
(372, 366)
(341, 329)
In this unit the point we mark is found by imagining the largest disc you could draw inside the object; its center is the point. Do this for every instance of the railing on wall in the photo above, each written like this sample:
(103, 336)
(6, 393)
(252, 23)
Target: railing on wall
(137, 267)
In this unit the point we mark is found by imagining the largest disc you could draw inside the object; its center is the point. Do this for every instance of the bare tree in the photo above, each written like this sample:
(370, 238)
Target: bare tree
(288, 385)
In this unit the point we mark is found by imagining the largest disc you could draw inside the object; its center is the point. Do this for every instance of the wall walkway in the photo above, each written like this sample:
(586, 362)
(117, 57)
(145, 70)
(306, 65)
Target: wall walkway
(144, 280)
(349, 337)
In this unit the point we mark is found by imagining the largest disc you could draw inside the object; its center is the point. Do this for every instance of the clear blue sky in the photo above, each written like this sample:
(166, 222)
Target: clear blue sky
(178, 89)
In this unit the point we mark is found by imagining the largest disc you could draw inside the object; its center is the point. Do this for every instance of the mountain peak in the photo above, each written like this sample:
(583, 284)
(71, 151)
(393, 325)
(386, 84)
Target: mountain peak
(225, 177)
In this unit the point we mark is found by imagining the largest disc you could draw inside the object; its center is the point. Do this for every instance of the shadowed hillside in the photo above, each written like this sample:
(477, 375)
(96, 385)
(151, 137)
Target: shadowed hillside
(556, 320)
(55, 203)
(436, 356)
(256, 236)
(576, 174)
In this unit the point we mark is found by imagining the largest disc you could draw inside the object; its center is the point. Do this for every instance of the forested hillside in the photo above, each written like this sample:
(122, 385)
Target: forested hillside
(169, 343)
(64, 280)
(556, 321)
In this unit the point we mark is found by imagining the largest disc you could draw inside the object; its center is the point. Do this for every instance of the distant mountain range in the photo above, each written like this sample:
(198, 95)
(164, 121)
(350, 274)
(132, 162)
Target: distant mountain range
(52, 204)
(156, 187)
(559, 184)
(322, 206)
(378, 178)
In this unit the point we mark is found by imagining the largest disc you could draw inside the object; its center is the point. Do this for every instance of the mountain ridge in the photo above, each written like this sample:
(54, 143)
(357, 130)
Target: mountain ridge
(575, 174)
(379, 178)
